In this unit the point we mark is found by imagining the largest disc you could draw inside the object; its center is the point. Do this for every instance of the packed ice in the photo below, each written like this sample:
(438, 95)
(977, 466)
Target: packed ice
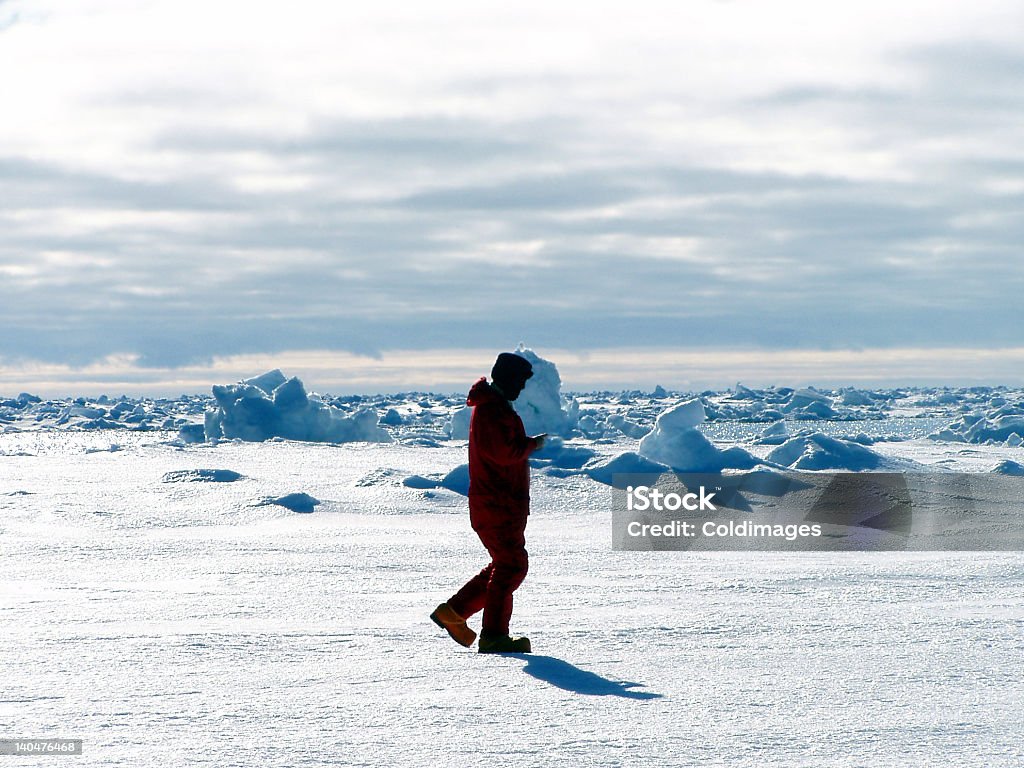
(803, 428)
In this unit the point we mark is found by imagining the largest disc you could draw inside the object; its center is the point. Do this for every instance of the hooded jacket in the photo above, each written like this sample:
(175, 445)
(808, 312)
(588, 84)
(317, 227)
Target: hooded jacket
(499, 473)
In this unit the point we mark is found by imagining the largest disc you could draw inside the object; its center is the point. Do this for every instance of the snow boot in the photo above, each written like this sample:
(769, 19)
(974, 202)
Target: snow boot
(448, 620)
(503, 644)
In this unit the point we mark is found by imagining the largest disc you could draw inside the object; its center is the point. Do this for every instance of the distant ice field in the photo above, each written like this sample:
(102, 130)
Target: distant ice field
(892, 428)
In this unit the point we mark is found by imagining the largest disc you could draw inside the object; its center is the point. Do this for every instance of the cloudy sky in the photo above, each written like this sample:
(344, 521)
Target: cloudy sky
(381, 198)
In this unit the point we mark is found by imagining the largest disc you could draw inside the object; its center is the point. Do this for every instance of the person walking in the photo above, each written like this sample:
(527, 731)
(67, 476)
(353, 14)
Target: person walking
(499, 503)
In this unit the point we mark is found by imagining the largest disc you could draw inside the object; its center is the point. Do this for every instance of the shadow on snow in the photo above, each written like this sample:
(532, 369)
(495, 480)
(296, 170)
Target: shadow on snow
(566, 676)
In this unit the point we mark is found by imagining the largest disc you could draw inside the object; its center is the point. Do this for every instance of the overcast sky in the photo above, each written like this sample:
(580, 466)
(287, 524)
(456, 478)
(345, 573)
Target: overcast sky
(685, 193)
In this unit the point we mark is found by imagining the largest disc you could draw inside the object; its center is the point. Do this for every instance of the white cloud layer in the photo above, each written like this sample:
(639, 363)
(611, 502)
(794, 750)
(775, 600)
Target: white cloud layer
(183, 181)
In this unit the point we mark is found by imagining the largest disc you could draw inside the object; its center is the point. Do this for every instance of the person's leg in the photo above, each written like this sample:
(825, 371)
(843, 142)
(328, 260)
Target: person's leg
(470, 599)
(509, 564)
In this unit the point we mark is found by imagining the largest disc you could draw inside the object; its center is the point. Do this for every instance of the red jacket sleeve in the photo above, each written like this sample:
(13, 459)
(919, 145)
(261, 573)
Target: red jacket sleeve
(499, 436)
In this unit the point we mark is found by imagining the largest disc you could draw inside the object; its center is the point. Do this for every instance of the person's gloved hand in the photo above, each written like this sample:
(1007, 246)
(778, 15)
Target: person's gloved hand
(540, 440)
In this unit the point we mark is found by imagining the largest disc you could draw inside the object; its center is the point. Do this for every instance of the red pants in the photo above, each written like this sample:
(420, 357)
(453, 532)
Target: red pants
(492, 588)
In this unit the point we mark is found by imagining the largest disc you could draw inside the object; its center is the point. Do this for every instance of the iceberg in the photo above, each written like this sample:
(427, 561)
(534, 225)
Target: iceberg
(271, 405)
(676, 442)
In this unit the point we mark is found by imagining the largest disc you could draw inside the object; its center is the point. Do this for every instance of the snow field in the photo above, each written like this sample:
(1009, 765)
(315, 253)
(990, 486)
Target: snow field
(174, 623)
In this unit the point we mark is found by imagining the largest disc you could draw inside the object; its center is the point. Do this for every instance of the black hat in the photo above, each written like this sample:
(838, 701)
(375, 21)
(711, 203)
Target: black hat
(510, 368)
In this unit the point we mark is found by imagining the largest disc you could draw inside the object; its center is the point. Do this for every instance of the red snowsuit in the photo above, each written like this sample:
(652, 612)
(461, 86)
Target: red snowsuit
(499, 502)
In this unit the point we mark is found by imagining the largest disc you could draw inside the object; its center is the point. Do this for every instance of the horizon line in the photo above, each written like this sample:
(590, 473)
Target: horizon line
(610, 369)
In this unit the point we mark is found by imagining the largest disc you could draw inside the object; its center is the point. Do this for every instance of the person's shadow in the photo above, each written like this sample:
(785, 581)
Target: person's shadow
(568, 677)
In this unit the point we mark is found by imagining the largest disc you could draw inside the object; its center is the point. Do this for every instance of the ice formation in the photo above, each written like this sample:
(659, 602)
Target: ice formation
(856, 397)
(456, 480)
(774, 434)
(192, 433)
(271, 405)
(1008, 467)
(676, 442)
(1003, 424)
(628, 463)
(541, 405)
(817, 451)
(626, 426)
(809, 404)
(458, 428)
(202, 476)
(296, 502)
(557, 454)
(392, 418)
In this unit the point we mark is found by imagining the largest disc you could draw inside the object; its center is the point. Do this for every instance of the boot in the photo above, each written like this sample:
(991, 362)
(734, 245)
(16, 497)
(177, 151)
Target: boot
(448, 620)
(503, 644)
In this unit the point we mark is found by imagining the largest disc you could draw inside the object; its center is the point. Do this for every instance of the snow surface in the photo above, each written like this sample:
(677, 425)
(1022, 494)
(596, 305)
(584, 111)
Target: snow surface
(166, 617)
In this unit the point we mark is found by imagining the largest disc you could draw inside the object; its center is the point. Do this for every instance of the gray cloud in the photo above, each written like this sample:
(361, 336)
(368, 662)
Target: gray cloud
(459, 233)
(31, 184)
(437, 141)
(971, 73)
